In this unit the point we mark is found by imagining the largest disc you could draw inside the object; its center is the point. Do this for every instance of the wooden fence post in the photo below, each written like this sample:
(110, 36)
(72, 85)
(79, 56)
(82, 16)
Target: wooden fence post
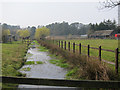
(116, 60)
(100, 53)
(73, 47)
(69, 46)
(80, 48)
(88, 50)
(65, 45)
(61, 44)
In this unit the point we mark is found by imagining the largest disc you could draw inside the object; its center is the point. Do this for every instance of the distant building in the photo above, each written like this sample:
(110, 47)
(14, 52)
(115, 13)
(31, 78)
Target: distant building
(102, 34)
(84, 36)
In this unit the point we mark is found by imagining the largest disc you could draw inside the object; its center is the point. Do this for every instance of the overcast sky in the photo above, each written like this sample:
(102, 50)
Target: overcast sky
(33, 12)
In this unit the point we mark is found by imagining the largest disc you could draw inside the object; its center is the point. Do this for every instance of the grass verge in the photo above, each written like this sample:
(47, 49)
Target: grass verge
(12, 60)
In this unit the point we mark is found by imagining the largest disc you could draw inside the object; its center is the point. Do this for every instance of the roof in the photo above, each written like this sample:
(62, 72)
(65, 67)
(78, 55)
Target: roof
(102, 33)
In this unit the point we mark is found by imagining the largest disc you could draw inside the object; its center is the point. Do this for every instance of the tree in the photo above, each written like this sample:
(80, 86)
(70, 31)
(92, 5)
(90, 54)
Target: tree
(104, 25)
(23, 33)
(65, 29)
(11, 28)
(6, 32)
(110, 3)
(32, 31)
(41, 33)
(5, 35)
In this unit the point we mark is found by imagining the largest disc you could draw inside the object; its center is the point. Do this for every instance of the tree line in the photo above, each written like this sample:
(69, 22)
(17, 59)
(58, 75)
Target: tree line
(16, 33)
(80, 29)
(104, 25)
(65, 29)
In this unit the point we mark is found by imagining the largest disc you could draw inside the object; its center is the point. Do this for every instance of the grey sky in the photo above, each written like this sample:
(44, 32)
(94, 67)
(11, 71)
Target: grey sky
(43, 13)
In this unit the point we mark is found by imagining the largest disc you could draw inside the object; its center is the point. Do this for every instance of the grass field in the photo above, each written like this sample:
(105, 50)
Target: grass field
(104, 43)
(12, 59)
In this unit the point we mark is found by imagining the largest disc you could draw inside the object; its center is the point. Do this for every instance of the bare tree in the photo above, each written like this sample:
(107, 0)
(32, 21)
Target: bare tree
(110, 3)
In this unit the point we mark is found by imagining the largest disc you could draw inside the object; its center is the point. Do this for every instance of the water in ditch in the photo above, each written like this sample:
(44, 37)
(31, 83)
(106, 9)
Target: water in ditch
(45, 70)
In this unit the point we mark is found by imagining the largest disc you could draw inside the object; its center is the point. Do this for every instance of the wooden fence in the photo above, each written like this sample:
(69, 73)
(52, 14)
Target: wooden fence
(61, 82)
(67, 46)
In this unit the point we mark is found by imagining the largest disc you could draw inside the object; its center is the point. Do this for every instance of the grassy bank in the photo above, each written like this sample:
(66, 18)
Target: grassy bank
(80, 67)
(109, 44)
(12, 59)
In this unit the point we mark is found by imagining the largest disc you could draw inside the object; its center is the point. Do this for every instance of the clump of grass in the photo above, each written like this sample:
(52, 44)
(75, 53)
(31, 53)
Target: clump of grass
(54, 56)
(59, 63)
(26, 69)
(71, 73)
(29, 62)
(36, 42)
(54, 61)
(43, 49)
(39, 62)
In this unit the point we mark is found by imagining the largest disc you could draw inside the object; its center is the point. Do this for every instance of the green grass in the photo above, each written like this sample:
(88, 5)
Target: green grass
(39, 62)
(33, 62)
(53, 56)
(59, 63)
(71, 73)
(26, 69)
(105, 43)
(12, 59)
(36, 42)
(43, 49)
(29, 62)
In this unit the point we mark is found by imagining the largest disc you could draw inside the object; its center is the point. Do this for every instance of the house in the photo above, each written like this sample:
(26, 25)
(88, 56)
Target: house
(102, 34)
(83, 36)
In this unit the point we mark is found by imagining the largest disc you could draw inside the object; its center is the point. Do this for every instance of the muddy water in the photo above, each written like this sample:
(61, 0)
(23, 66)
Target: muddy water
(45, 70)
